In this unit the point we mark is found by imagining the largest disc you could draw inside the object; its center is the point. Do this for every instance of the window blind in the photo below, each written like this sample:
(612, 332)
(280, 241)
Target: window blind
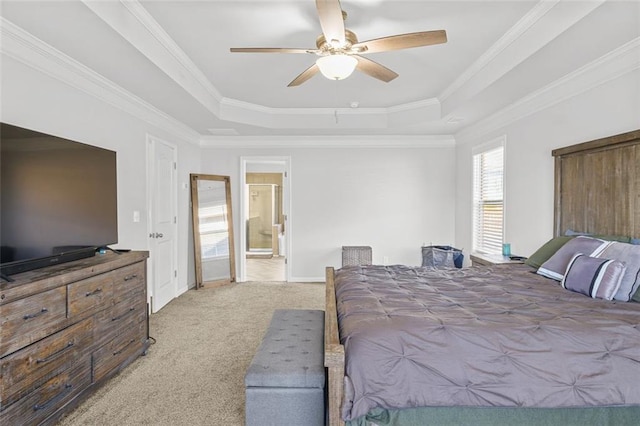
(488, 200)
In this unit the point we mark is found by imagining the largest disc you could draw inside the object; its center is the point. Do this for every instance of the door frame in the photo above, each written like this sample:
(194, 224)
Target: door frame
(152, 141)
(283, 163)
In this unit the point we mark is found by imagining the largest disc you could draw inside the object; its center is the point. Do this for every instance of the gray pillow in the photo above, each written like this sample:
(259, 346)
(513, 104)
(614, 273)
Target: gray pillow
(629, 255)
(592, 276)
(556, 266)
(547, 250)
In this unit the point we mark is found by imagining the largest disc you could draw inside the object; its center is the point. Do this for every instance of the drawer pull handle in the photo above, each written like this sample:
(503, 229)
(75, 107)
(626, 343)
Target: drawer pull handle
(94, 292)
(37, 314)
(130, 277)
(55, 354)
(123, 315)
(124, 347)
(62, 394)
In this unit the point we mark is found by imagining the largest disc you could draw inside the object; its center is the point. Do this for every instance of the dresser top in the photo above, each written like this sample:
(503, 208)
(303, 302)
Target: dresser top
(43, 279)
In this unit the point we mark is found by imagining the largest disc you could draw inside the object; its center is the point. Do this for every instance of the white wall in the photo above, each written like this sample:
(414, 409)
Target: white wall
(605, 110)
(34, 100)
(393, 200)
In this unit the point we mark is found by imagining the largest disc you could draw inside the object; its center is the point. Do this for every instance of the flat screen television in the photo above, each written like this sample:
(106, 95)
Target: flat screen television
(58, 200)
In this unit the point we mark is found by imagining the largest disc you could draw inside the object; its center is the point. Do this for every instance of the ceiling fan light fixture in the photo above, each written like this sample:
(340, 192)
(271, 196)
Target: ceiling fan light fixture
(337, 66)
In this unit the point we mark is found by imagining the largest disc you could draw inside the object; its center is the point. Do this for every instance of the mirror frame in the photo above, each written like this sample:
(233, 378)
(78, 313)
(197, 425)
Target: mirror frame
(200, 283)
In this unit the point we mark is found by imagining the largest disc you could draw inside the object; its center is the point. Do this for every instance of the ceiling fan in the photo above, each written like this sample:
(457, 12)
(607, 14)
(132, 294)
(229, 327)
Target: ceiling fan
(340, 52)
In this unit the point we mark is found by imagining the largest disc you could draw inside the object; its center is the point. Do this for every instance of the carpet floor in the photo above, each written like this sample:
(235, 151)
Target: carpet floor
(194, 373)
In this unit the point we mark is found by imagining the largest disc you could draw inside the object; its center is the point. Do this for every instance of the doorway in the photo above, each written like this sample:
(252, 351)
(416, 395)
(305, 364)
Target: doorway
(265, 232)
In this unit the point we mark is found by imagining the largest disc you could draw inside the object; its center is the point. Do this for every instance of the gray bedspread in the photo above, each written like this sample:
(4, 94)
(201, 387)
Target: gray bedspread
(481, 336)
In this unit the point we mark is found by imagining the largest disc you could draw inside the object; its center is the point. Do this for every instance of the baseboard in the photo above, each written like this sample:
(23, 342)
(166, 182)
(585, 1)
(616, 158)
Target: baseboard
(306, 279)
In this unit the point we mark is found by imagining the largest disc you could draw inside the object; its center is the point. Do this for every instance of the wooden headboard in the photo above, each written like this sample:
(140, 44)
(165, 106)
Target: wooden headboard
(597, 186)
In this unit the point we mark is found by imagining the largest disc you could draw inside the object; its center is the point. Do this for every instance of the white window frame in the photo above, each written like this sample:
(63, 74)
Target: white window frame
(477, 245)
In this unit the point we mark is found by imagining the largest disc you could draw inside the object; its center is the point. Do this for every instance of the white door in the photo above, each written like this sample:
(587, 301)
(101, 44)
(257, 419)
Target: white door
(162, 223)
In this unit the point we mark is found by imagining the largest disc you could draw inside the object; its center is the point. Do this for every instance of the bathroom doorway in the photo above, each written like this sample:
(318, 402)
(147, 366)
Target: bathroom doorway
(264, 219)
(265, 224)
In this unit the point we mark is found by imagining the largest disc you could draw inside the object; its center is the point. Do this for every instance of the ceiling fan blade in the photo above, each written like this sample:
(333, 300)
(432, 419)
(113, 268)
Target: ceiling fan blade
(401, 41)
(374, 69)
(271, 50)
(304, 76)
(331, 21)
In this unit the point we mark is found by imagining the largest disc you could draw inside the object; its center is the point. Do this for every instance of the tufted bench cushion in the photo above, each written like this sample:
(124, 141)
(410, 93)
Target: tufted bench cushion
(286, 379)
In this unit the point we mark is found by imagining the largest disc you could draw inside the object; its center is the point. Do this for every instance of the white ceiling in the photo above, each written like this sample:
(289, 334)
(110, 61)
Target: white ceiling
(174, 55)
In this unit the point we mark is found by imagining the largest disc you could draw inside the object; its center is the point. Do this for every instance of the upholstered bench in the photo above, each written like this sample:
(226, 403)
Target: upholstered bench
(285, 382)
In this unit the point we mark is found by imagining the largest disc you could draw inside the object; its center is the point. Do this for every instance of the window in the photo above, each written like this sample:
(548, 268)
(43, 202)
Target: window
(488, 198)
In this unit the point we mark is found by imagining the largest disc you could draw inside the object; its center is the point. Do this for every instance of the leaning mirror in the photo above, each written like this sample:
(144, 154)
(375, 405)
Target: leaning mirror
(212, 230)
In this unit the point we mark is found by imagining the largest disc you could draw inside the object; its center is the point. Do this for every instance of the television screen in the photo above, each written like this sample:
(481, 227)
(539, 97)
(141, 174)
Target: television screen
(58, 199)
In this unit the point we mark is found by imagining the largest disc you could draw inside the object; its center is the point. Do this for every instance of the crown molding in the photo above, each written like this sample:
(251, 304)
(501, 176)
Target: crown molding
(131, 21)
(234, 103)
(146, 34)
(411, 106)
(543, 23)
(171, 46)
(386, 141)
(33, 52)
(515, 32)
(610, 66)
(24, 47)
(323, 118)
(148, 37)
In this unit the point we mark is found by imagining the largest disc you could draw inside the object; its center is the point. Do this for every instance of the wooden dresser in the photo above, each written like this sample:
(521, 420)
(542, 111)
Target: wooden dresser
(66, 329)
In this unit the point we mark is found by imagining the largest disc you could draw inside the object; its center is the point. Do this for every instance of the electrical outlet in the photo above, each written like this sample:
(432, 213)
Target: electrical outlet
(385, 260)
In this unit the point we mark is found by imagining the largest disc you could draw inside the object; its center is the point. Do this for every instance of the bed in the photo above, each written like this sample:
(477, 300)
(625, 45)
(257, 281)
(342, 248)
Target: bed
(503, 345)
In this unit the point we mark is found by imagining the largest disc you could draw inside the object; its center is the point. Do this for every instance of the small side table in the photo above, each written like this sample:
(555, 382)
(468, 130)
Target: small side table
(482, 259)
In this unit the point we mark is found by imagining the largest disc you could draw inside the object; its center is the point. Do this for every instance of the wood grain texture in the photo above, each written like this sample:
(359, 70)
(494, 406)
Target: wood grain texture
(88, 294)
(333, 353)
(57, 391)
(24, 371)
(57, 343)
(597, 185)
(119, 352)
(39, 280)
(30, 319)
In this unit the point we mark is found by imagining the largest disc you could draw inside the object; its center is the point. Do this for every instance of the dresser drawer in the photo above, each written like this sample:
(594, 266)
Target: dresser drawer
(123, 316)
(129, 280)
(90, 294)
(30, 319)
(50, 396)
(29, 367)
(119, 352)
